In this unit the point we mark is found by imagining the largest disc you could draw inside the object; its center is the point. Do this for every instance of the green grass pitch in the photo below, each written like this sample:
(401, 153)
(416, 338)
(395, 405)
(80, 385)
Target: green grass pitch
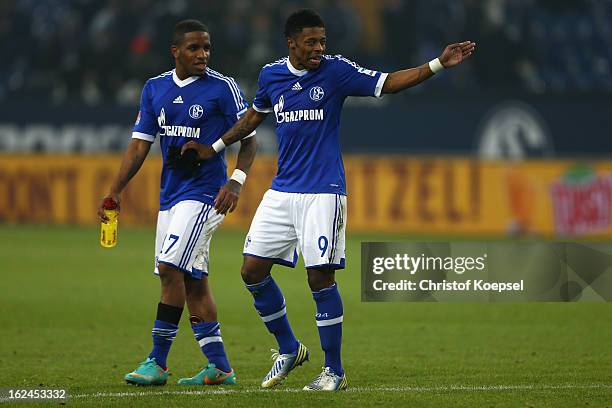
(76, 316)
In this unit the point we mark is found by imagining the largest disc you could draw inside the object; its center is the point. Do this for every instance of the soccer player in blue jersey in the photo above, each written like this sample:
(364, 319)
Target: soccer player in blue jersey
(190, 103)
(305, 209)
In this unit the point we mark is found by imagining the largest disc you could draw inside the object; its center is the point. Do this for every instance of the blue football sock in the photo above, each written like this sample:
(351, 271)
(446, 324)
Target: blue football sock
(270, 305)
(208, 335)
(164, 331)
(163, 336)
(329, 322)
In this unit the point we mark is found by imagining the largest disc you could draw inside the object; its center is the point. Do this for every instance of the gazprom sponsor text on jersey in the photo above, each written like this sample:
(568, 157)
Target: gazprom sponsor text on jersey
(299, 115)
(175, 130)
(180, 131)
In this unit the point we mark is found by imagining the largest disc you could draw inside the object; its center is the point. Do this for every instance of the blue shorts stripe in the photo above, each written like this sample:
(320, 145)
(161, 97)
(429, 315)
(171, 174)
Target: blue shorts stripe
(189, 249)
(198, 234)
(192, 232)
(195, 225)
(334, 232)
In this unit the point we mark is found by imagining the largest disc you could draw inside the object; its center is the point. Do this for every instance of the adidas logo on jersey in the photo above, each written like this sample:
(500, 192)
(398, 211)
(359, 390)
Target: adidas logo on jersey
(178, 99)
(296, 87)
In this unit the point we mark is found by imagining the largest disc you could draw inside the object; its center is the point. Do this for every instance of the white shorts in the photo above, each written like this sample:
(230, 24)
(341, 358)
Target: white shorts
(183, 237)
(286, 224)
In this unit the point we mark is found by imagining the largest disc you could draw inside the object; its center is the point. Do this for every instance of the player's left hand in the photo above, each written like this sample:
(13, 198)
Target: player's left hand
(205, 152)
(227, 199)
(454, 54)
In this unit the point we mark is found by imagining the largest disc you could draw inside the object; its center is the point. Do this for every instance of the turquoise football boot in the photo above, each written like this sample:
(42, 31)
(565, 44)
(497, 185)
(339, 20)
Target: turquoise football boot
(210, 375)
(148, 373)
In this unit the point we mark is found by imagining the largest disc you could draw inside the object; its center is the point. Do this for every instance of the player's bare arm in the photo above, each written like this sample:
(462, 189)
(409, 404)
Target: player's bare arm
(452, 55)
(135, 155)
(244, 127)
(227, 199)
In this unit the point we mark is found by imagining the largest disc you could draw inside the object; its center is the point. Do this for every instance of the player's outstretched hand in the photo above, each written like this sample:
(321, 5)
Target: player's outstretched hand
(105, 203)
(227, 199)
(454, 54)
(204, 151)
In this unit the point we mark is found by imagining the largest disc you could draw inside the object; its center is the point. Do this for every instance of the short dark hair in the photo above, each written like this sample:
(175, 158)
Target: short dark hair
(186, 26)
(301, 19)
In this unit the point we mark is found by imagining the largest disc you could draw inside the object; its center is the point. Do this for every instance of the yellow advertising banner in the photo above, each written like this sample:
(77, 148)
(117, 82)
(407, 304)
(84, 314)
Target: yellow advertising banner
(411, 194)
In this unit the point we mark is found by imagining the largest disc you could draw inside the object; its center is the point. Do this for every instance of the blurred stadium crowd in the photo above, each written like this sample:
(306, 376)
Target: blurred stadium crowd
(101, 51)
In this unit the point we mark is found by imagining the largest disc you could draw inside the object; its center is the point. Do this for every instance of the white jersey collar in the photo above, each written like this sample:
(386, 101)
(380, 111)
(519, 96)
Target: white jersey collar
(183, 82)
(294, 70)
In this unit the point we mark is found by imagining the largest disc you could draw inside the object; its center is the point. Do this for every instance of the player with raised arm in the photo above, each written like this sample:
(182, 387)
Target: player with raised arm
(305, 209)
(189, 103)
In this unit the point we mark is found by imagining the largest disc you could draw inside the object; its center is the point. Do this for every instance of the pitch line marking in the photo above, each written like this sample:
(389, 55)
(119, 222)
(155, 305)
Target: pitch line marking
(355, 390)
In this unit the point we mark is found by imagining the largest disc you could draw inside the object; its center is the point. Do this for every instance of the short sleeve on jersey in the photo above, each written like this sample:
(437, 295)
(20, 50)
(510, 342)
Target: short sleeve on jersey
(354, 80)
(146, 126)
(262, 102)
(232, 102)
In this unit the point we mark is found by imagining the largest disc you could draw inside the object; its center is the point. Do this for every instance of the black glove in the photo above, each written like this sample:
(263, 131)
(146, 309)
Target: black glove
(187, 162)
(172, 156)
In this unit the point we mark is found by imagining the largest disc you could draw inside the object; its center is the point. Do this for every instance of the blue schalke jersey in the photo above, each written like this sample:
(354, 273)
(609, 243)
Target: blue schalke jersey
(196, 108)
(307, 107)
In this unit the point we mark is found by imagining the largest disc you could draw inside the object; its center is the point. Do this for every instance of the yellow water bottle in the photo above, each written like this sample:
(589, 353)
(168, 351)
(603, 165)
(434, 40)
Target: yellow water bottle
(108, 230)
